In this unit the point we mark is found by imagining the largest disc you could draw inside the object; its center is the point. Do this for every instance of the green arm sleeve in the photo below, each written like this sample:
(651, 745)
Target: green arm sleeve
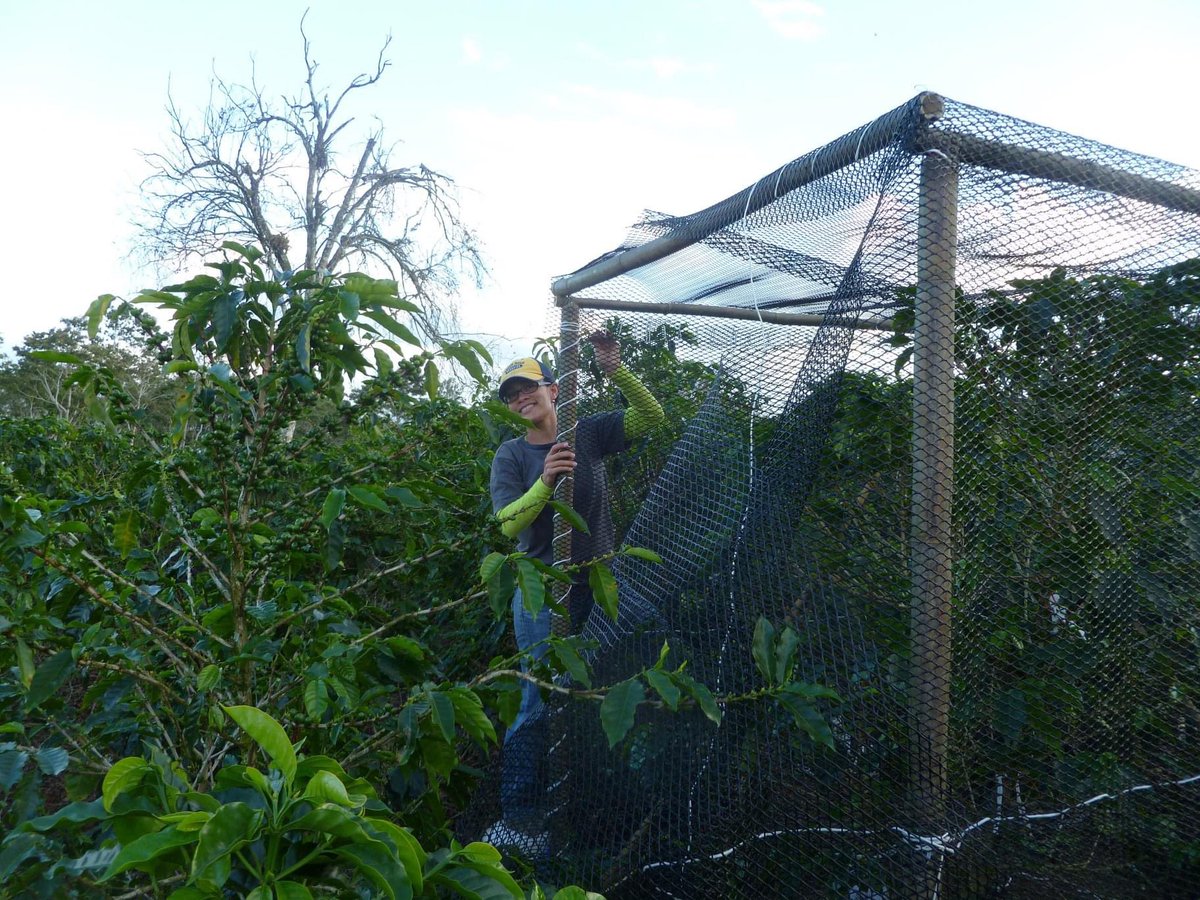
(519, 514)
(644, 412)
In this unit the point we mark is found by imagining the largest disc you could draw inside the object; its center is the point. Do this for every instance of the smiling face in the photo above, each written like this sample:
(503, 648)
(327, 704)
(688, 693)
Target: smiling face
(532, 401)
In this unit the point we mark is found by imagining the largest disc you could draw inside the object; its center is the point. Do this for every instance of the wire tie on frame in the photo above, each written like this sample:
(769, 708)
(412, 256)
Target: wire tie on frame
(778, 178)
(812, 162)
(749, 261)
(862, 133)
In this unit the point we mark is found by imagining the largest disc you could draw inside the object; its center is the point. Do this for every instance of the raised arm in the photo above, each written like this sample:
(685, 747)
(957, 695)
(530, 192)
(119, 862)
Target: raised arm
(644, 412)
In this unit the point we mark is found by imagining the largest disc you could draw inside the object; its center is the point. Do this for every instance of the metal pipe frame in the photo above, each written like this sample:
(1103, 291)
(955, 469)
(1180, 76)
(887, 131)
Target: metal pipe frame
(814, 320)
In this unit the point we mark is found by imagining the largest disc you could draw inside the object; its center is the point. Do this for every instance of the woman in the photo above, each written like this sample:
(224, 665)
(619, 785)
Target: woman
(524, 474)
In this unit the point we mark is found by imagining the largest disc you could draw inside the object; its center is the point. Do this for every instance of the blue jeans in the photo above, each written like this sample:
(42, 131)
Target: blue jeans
(525, 740)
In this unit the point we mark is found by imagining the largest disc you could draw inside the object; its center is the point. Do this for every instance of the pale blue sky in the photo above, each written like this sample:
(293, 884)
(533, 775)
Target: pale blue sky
(561, 121)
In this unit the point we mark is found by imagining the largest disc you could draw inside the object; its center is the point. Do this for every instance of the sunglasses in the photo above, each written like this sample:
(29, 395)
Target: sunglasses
(522, 391)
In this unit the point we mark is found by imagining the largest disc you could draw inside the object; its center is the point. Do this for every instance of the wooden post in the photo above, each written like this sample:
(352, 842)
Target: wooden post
(930, 550)
(568, 403)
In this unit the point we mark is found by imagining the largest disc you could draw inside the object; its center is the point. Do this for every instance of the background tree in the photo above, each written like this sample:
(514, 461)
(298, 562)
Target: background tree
(33, 382)
(290, 175)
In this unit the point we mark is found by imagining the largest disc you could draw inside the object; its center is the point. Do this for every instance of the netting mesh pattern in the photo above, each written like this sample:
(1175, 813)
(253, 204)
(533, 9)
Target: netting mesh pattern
(988, 546)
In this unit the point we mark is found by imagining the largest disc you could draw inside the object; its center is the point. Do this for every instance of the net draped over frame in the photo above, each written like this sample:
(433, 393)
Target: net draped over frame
(1068, 762)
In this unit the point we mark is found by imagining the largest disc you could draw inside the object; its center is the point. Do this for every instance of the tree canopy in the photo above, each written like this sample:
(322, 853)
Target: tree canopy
(297, 175)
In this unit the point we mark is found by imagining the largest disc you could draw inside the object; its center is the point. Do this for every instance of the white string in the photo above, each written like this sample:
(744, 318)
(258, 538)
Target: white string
(731, 608)
(812, 163)
(945, 843)
(862, 133)
(778, 178)
(749, 261)
(749, 496)
(568, 436)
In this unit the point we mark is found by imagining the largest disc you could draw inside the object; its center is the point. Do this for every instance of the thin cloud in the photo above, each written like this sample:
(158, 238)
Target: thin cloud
(797, 20)
(474, 55)
(664, 67)
(674, 111)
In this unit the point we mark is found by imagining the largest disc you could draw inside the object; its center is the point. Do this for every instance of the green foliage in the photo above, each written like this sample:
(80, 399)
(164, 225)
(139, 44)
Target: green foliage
(304, 826)
(604, 588)
(774, 655)
(617, 710)
(114, 369)
(267, 544)
(1079, 472)
(252, 642)
(1076, 457)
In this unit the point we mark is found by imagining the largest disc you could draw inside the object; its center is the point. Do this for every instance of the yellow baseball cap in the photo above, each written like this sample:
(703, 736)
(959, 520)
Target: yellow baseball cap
(527, 368)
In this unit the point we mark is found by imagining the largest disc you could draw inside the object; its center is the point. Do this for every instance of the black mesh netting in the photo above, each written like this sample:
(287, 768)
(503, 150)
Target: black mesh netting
(989, 547)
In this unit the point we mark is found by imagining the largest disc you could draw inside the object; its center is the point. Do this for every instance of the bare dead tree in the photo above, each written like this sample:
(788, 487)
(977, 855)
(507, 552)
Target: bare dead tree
(270, 172)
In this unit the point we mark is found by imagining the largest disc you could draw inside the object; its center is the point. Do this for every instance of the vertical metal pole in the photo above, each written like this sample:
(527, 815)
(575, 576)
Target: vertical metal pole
(568, 396)
(930, 550)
